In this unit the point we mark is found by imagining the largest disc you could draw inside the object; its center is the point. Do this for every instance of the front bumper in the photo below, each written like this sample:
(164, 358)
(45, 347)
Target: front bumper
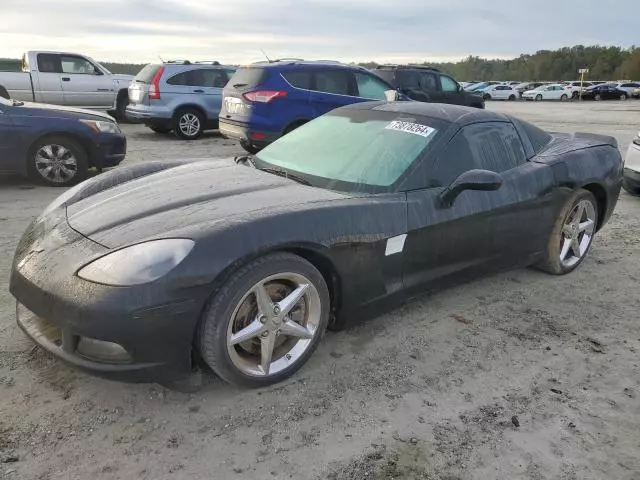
(138, 334)
(109, 151)
(245, 134)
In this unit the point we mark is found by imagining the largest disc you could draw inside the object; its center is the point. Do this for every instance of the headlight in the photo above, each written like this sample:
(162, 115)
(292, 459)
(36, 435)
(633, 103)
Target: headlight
(102, 126)
(137, 264)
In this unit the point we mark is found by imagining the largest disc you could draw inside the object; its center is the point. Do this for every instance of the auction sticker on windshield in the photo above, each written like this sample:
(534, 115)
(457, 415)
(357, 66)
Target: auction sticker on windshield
(410, 127)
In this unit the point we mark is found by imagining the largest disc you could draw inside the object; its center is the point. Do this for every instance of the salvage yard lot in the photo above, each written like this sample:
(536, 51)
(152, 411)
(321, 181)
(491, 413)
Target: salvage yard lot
(517, 376)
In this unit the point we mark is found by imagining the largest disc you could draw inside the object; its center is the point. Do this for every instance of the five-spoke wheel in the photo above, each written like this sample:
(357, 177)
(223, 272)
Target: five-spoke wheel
(266, 321)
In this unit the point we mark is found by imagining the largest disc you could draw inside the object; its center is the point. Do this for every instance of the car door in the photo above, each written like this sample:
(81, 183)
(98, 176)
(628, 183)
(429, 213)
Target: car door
(84, 84)
(46, 80)
(208, 84)
(481, 229)
(452, 91)
(332, 88)
(8, 141)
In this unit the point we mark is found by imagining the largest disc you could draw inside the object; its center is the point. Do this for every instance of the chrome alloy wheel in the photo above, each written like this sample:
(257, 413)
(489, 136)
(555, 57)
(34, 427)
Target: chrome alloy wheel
(189, 124)
(56, 163)
(274, 324)
(577, 233)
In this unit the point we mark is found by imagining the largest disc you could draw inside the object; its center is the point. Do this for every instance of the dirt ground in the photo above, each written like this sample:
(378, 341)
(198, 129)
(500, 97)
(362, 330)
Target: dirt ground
(517, 376)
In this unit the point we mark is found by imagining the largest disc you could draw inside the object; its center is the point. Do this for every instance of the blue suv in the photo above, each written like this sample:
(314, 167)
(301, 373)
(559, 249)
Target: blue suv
(266, 100)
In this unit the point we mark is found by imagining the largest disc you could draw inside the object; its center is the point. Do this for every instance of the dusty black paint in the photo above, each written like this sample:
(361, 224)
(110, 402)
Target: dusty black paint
(235, 213)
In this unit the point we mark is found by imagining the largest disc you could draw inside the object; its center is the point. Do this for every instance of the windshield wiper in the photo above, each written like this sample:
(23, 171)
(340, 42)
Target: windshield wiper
(17, 103)
(285, 174)
(236, 85)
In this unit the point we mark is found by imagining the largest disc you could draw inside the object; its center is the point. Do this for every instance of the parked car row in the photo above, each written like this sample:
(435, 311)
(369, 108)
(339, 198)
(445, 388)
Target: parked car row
(538, 91)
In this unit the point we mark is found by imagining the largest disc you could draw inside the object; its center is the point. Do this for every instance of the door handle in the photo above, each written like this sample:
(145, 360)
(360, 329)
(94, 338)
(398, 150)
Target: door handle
(198, 91)
(65, 79)
(104, 90)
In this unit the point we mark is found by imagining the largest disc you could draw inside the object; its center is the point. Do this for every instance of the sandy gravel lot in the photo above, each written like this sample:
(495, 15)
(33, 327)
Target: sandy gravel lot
(430, 391)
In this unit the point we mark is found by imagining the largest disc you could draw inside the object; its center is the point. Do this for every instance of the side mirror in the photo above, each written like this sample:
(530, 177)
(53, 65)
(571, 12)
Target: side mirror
(470, 180)
(392, 95)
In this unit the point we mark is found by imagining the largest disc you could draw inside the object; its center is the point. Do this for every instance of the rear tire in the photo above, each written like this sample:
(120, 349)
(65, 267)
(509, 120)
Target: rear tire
(264, 325)
(564, 98)
(623, 97)
(578, 220)
(597, 97)
(512, 98)
(486, 96)
(188, 124)
(629, 189)
(121, 106)
(57, 161)
(538, 98)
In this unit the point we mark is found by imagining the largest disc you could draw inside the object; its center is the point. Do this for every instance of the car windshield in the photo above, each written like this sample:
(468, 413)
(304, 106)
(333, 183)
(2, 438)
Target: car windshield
(350, 150)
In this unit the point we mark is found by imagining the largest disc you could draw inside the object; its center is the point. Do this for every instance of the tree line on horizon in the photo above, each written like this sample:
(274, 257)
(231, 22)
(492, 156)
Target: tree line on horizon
(604, 63)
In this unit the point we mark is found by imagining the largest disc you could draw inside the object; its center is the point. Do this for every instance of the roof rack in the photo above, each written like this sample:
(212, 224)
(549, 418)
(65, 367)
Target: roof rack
(179, 62)
(208, 62)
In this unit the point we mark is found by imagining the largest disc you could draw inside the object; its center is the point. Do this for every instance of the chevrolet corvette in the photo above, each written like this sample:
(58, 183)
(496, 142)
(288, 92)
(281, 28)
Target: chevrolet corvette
(240, 265)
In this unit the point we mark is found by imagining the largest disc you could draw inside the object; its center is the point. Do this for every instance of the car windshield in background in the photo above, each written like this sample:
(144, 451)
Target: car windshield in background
(355, 150)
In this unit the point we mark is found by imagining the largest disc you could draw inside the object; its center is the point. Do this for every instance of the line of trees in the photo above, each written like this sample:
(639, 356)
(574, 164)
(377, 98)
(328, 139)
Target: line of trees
(604, 63)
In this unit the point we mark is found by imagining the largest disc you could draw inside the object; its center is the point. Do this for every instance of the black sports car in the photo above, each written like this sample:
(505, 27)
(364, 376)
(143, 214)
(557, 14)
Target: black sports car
(143, 272)
(604, 92)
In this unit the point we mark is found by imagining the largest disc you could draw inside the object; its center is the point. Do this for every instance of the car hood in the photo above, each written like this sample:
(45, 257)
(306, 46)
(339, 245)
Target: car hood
(43, 109)
(187, 200)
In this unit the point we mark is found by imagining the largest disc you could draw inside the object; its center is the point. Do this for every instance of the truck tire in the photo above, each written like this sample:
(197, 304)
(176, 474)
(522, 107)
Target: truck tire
(4, 93)
(57, 161)
(121, 106)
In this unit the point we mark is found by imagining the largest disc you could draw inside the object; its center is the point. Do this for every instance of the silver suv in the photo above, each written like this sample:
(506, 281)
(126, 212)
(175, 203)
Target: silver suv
(179, 96)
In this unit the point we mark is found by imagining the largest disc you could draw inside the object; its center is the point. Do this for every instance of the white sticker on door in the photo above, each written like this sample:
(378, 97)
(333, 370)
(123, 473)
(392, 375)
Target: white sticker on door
(395, 244)
(410, 127)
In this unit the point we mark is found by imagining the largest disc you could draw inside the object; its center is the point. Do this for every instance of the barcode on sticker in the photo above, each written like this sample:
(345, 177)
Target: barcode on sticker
(409, 127)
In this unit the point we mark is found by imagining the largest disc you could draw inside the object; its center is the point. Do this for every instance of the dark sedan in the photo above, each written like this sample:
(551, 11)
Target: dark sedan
(143, 272)
(604, 92)
(56, 145)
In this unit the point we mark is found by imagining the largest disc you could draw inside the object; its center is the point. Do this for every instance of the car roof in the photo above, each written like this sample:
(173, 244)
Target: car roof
(443, 112)
(294, 63)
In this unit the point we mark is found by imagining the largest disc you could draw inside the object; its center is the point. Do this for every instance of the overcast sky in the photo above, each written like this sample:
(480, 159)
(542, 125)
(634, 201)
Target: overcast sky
(234, 31)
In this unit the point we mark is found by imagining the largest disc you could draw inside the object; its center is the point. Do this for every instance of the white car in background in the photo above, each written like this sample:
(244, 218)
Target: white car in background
(631, 177)
(554, 91)
(575, 87)
(501, 92)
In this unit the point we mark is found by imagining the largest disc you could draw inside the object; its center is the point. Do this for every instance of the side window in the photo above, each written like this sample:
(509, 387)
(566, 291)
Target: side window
(370, 87)
(210, 77)
(48, 63)
(298, 79)
(493, 146)
(179, 79)
(333, 81)
(428, 81)
(77, 65)
(448, 84)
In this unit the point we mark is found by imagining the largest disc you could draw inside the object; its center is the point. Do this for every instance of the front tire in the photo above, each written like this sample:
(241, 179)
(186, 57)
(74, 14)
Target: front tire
(266, 321)
(188, 124)
(512, 98)
(572, 234)
(564, 98)
(121, 106)
(623, 97)
(57, 161)
(538, 98)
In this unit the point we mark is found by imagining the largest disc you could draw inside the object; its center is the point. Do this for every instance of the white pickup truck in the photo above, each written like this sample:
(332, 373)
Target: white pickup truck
(67, 79)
